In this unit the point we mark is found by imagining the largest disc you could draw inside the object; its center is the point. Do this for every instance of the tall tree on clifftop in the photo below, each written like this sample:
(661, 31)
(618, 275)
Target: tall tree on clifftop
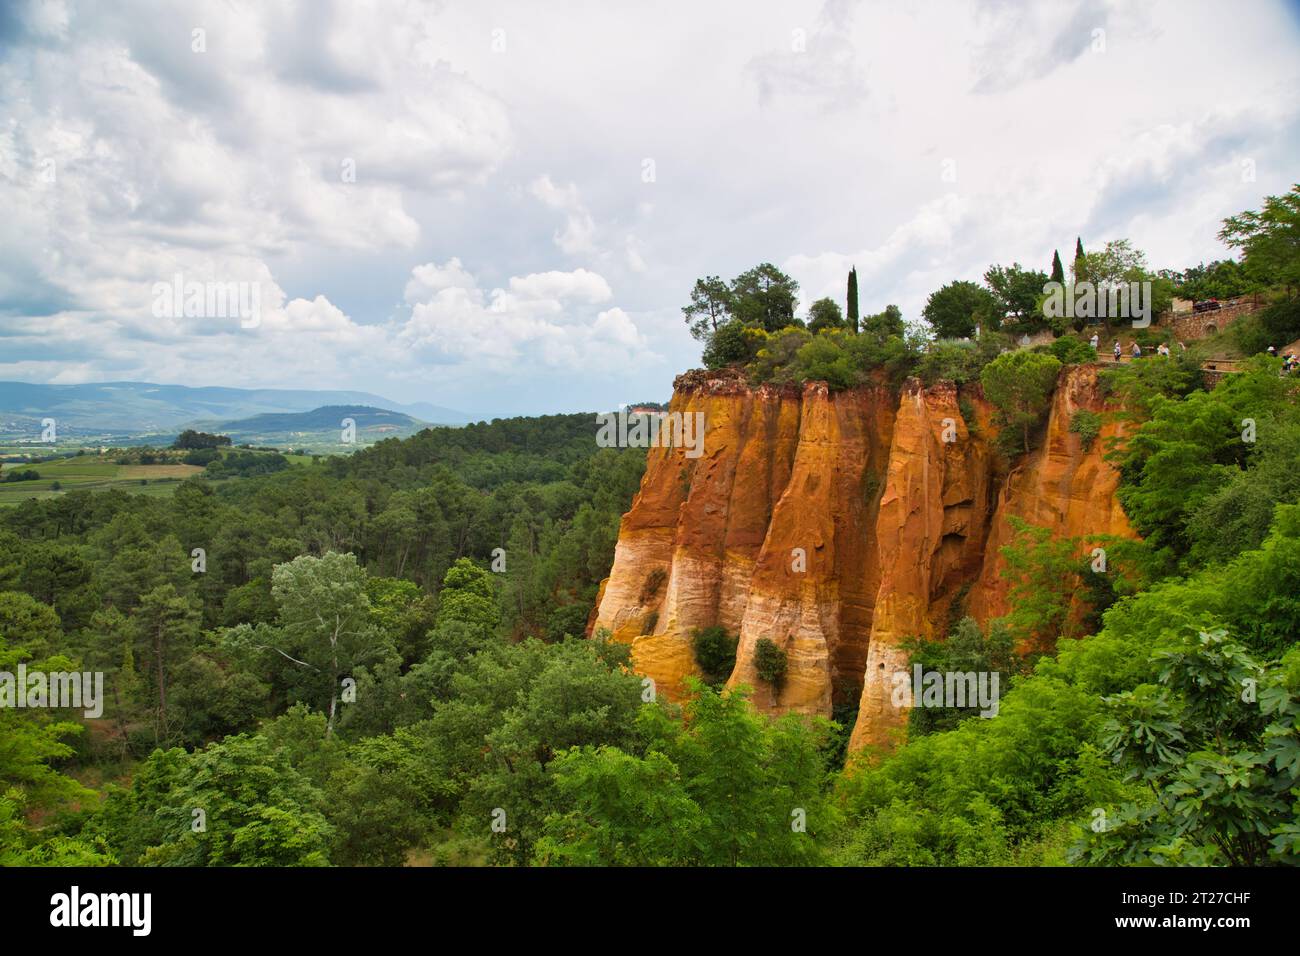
(764, 297)
(711, 305)
(1058, 270)
(1080, 261)
(852, 301)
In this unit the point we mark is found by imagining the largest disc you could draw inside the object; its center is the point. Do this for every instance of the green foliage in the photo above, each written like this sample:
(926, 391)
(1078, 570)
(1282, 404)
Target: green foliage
(567, 621)
(992, 791)
(1087, 425)
(1214, 739)
(960, 360)
(1190, 448)
(884, 324)
(1058, 271)
(1269, 240)
(245, 464)
(325, 619)
(851, 301)
(715, 653)
(256, 810)
(966, 649)
(765, 297)
(1221, 279)
(1047, 577)
(1237, 514)
(1020, 385)
(190, 439)
(728, 346)
(777, 357)
(726, 787)
(710, 307)
(954, 310)
(1016, 292)
(825, 314)
(770, 662)
(1072, 351)
(202, 457)
(824, 359)
(511, 710)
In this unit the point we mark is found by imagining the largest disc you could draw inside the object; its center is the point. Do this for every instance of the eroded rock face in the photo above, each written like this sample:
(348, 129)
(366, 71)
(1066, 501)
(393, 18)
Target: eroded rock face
(836, 525)
(1060, 486)
(931, 528)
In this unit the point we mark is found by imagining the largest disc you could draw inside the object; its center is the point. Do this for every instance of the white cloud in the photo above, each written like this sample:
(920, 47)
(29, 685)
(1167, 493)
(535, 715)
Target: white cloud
(543, 317)
(579, 233)
(498, 196)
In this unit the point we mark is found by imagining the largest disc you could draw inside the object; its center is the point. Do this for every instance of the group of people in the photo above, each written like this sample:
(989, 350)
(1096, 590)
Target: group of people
(1136, 350)
(1290, 361)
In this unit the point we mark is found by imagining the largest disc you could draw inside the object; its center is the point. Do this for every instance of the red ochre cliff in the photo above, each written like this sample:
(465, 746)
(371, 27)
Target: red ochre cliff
(837, 524)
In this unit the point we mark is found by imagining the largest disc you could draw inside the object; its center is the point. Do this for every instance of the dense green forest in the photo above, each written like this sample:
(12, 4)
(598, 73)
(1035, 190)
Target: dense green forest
(379, 660)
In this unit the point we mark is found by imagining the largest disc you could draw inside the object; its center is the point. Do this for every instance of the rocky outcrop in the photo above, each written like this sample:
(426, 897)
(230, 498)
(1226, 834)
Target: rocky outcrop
(836, 525)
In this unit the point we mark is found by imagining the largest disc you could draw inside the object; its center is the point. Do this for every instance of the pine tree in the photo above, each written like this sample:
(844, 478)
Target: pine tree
(1080, 264)
(1058, 271)
(852, 304)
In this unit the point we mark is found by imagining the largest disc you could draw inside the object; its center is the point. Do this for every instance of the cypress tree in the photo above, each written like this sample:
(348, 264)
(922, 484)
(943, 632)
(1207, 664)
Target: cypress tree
(1079, 268)
(1058, 271)
(852, 304)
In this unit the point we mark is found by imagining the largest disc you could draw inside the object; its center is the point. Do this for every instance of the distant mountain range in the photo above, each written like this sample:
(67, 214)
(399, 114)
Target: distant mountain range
(143, 408)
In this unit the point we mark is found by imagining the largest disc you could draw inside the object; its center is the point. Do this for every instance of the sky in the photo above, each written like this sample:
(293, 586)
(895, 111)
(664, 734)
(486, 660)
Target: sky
(502, 207)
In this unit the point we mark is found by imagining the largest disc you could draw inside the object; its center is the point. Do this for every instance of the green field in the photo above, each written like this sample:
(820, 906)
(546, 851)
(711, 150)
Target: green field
(92, 472)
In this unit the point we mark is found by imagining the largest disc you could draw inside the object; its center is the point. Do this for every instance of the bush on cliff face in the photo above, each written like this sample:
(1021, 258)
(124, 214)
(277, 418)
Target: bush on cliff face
(715, 653)
(1087, 425)
(770, 662)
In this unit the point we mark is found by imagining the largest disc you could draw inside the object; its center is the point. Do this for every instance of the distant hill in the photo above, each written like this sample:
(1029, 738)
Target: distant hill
(142, 408)
(328, 418)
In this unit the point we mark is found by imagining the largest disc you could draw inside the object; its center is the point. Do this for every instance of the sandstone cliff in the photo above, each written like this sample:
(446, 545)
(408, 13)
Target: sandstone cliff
(836, 524)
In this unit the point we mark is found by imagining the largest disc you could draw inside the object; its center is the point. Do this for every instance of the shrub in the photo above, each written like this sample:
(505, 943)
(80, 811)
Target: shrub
(1087, 425)
(715, 653)
(969, 415)
(775, 358)
(958, 360)
(1020, 385)
(770, 661)
(567, 621)
(1071, 351)
(201, 456)
(824, 359)
(952, 360)
(729, 345)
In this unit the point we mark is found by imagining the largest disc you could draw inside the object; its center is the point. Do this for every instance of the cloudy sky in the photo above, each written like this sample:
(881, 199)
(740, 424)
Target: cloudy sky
(501, 207)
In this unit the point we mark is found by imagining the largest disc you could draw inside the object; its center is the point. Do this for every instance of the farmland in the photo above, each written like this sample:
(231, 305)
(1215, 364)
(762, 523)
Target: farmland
(91, 472)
